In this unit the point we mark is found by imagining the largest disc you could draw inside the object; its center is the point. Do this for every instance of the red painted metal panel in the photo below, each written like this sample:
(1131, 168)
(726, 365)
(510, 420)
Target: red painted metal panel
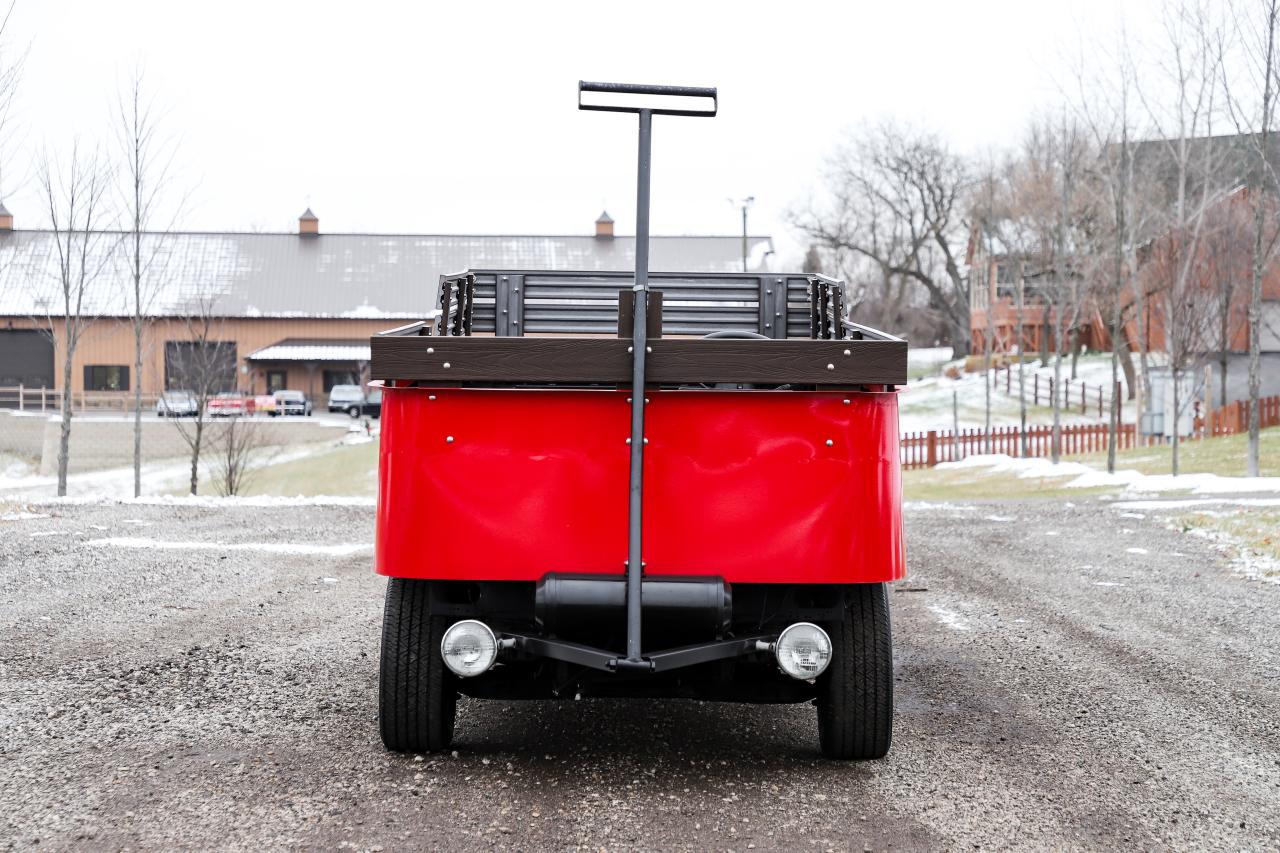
(738, 484)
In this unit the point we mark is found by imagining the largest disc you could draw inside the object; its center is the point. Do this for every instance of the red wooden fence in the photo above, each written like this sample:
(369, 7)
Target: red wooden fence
(1234, 417)
(926, 449)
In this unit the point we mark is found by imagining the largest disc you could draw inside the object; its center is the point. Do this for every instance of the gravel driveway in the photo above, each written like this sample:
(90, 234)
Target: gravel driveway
(1068, 676)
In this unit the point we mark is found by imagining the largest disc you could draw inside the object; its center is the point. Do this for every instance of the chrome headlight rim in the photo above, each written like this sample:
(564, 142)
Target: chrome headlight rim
(825, 638)
(492, 648)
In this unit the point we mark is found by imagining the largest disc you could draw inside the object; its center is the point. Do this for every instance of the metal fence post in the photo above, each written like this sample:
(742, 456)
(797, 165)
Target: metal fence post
(20, 407)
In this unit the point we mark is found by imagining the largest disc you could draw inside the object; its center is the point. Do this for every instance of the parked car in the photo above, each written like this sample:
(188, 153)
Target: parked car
(371, 405)
(228, 404)
(291, 403)
(177, 404)
(343, 398)
(263, 404)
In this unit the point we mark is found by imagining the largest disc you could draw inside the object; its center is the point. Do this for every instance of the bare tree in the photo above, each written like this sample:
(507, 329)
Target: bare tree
(897, 199)
(1251, 101)
(1026, 233)
(236, 447)
(1227, 248)
(147, 158)
(1191, 67)
(10, 73)
(75, 193)
(1063, 282)
(203, 364)
(1104, 104)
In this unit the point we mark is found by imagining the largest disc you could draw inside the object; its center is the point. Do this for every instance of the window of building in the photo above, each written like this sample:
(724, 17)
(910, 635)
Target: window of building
(106, 377)
(339, 377)
(196, 365)
(277, 380)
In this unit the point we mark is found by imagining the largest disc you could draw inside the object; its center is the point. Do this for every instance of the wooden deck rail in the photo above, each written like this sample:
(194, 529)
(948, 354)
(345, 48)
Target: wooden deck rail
(28, 399)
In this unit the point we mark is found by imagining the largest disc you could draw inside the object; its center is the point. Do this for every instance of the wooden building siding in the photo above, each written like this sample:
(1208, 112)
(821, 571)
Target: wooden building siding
(110, 341)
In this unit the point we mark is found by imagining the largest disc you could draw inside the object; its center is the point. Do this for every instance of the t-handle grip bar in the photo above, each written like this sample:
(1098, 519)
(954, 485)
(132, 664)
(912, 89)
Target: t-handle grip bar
(651, 90)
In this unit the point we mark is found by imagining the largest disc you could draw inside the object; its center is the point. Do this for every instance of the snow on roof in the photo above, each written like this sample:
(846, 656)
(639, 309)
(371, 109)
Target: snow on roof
(374, 276)
(292, 350)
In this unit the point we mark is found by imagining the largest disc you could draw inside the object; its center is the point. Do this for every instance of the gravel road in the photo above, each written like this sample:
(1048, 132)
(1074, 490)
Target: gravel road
(1068, 677)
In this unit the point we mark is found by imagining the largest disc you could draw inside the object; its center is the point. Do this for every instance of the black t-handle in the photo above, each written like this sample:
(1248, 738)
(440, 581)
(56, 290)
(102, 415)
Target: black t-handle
(649, 90)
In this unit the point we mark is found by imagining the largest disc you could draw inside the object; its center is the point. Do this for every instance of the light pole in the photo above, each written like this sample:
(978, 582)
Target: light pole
(745, 204)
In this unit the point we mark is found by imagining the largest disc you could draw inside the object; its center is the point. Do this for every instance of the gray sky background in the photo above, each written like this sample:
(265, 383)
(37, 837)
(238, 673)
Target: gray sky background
(460, 117)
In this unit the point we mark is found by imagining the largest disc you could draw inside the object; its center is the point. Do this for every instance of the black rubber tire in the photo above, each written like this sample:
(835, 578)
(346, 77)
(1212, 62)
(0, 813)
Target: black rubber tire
(855, 694)
(417, 696)
(353, 412)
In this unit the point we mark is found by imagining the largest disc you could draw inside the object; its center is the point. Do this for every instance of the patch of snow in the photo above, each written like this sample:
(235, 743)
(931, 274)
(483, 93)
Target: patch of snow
(1200, 484)
(928, 356)
(1137, 550)
(1194, 503)
(1107, 583)
(949, 618)
(214, 501)
(1244, 560)
(344, 550)
(1130, 514)
(1002, 518)
(117, 483)
(938, 505)
(23, 516)
(1135, 481)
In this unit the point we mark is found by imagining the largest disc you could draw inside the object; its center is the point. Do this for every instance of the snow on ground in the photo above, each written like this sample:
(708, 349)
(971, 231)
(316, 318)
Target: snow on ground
(950, 618)
(343, 550)
(1193, 503)
(1219, 521)
(18, 483)
(265, 501)
(923, 358)
(925, 404)
(22, 516)
(1134, 481)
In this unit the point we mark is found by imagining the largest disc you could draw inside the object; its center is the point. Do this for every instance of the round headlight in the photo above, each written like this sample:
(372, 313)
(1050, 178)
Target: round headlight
(803, 650)
(469, 648)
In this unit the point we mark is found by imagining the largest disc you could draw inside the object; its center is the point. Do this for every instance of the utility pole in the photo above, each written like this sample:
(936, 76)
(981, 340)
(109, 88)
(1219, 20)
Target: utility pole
(745, 204)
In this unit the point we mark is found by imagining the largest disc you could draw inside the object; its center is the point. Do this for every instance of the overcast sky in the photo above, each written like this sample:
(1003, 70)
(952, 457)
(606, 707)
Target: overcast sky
(422, 117)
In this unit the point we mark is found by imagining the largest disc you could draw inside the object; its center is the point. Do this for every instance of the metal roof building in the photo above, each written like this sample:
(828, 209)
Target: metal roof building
(356, 276)
(282, 297)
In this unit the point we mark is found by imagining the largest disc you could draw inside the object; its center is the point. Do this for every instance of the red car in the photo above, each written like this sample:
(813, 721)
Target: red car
(710, 515)
(228, 404)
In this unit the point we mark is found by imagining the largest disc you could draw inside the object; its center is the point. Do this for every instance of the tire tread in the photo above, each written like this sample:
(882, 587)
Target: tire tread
(855, 702)
(416, 696)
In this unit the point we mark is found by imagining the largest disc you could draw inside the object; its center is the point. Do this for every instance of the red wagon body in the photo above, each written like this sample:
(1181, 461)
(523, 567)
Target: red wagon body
(752, 487)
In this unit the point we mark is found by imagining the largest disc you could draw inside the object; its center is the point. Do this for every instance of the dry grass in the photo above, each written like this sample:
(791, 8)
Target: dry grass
(1224, 455)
